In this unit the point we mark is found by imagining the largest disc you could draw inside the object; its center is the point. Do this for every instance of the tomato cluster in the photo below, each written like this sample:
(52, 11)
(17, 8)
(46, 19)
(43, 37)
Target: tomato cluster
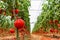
(52, 30)
(54, 22)
(16, 11)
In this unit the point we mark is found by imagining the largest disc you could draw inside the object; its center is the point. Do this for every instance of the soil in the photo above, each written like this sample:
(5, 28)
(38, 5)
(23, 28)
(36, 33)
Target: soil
(41, 37)
(6, 35)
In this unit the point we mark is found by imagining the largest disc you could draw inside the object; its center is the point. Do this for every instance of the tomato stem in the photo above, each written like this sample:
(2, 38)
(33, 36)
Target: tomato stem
(17, 34)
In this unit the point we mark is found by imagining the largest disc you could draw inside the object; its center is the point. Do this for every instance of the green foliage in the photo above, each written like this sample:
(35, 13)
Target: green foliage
(2, 5)
(6, 22)
(50, 11)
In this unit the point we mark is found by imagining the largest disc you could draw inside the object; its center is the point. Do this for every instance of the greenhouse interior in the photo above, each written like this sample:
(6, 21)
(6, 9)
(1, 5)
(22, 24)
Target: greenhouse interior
(29, 19)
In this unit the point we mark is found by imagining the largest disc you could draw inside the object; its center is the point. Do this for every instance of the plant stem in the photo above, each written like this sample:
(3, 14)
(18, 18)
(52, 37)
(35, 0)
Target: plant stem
(17, 34)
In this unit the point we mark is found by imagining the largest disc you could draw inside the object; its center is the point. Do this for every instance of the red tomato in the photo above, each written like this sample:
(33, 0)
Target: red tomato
(56, 31)
(51, 22)
(58, 25)
(16, 11)
(19, 23)
(12, 30)
(51, 30)
(56, 21)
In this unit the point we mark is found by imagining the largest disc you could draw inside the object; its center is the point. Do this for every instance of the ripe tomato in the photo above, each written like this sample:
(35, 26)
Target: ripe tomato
(55, 21)
(51, 30)
(58, 25)
(12, 30)
(16, 11)
(19, 23)
(50, 21)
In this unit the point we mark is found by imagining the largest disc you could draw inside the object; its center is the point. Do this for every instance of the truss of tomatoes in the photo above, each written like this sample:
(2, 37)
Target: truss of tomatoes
(54, 22)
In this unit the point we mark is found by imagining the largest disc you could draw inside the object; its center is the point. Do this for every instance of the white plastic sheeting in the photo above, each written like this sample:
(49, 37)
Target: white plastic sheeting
(34, 11)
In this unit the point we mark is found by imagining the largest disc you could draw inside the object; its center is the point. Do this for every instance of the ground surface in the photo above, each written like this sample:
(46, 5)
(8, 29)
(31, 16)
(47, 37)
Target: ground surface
(6, 35)
(14, 37)
(33, 37)
(38, 37)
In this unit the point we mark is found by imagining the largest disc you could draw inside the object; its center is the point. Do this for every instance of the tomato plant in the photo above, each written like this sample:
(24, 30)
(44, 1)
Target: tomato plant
(11, 11)
(49, 17)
